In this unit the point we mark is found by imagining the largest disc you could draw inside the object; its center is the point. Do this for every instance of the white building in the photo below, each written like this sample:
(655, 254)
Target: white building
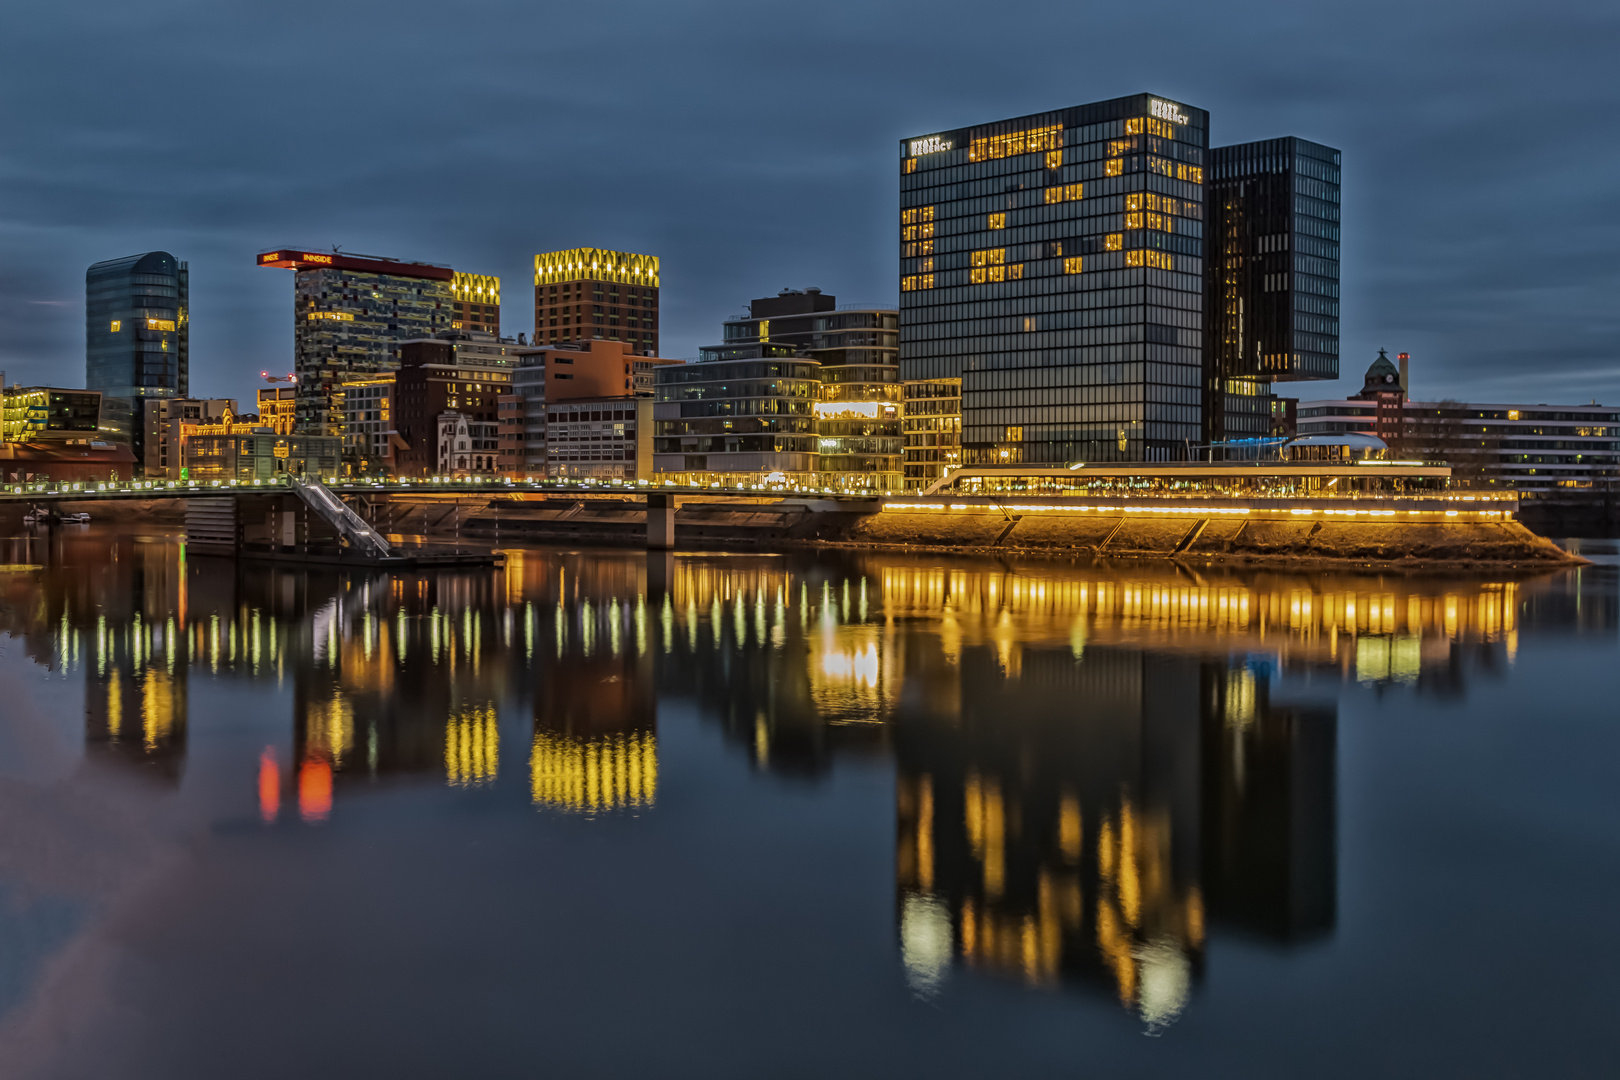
(467, 447)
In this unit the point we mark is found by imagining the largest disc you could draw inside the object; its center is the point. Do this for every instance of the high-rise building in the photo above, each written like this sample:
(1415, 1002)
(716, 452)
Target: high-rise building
(858, 433)
(137, 313)
(1054, 264)
(477, 303)
(587, 293)
(1273, 278)
(350, 316)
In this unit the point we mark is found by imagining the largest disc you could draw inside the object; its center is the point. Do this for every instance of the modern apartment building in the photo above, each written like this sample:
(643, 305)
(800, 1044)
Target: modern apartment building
(137, 314)
(858, 412)
(477, 303)
(749, 419)
(369, 437)
(1273, 278)
(591, 293)
(350, 316)
(1054, 265)
(34, 414)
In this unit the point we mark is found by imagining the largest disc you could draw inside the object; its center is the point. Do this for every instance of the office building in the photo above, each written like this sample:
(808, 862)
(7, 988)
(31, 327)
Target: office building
(477, 303)
(509, 431)
(549, 374)
(606, 438)
(278, 408)
(590, 293)
(448, 373)
(36, 414)
(369, 437)
(350, 316)
(165, 423)
(1053, 264)
(1558, 452)
(858, 423)
(750, 419)
(1273, 279)
(137, 334)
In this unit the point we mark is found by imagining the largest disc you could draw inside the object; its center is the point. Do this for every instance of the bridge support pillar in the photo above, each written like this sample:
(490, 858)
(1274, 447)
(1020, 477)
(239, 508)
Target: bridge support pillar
(660, 521)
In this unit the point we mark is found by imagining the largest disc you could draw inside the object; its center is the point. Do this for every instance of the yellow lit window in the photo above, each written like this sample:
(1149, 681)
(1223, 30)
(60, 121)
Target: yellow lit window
(1113, 242)
(1116, 147)
(1160, 222)
(1015, 271)
(984, 274)
(1018, 142)
(927, 264)
(117, 325)
(988, 257)
(1114, 167)
(911, 165)
(921, 247)
(912, 282)
(1133, 221)
(1015, 433)
(1073, 191)
(998, 221)
(1054, 159)
(1513, 414)
(160, 324)
(1071, 265)
(917, 232)
(1156, 259)
(1190, 173)
(1162, 128)
(916, 214)
(1161, 166)
(1133, 126)
(1133, 202)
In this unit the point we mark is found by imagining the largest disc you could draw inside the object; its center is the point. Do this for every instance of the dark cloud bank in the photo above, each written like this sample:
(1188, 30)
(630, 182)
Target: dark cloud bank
(751, 146)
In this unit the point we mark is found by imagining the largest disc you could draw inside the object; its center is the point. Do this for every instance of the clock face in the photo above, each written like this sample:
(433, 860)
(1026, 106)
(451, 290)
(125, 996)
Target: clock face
(1389, 378)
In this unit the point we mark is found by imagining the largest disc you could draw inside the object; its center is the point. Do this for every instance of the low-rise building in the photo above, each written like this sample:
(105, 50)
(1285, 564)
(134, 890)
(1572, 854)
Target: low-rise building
(467, 446)
(600, 439)
(165, 421)
(1539, 450)
(745, 420)
(244, 450)
(278, 408)
(369, 438)
(31, 414)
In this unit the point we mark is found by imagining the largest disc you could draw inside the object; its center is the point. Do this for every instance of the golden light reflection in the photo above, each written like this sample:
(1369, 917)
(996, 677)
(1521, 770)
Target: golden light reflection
(472, 743)
(588, 775)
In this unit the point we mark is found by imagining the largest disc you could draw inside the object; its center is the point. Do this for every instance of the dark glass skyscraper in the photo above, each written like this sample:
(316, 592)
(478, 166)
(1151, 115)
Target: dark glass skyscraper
(137, 312)
(1273, 296)
(1054, 264)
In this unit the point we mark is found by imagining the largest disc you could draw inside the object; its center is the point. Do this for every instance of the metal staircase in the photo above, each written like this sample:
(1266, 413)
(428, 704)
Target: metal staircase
(361, 537)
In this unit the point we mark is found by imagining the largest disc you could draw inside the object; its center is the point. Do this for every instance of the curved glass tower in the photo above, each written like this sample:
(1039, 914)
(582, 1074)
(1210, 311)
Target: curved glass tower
(136, 313)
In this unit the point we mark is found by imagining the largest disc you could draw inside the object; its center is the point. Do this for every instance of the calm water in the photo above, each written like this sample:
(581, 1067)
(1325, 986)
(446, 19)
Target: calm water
(606, 814)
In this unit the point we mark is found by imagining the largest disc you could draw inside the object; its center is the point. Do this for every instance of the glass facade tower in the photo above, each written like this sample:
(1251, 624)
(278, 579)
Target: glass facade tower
(1273, 282)
(1054, 265)
(137, 333)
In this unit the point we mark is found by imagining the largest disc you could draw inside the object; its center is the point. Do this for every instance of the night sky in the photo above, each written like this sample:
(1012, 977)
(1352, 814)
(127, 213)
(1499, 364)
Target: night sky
(752, 147)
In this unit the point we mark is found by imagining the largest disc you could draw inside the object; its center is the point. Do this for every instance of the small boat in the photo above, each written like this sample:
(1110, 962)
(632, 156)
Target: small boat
(80, 518)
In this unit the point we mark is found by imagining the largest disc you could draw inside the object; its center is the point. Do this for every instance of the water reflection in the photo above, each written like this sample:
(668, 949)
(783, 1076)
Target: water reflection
(1096, 770)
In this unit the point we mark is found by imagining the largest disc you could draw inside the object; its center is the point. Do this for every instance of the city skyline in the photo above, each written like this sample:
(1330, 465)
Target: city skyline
(1420, 274)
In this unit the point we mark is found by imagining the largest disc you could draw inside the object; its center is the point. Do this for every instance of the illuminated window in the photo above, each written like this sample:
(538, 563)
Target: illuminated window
(1133, 126)
(1071, 265)
(917, 232)
(117, 325)
(1190, 173)
(1018, 142)
(1157, 259)
(1015, 271)
(1133, 221)
(1113, 242)
(922, 247)
(1162, 128)
(1114, 167)
(988, 257)
(984, 274)
(1117, 147)
(1014, 433)
(1161, 166)
(1054, 159)
(160, 324)
(916, 214)
(913, 282)
(1160, 222)
(1065, 193)
(927, 264)
(1513, 414)
(998, 221)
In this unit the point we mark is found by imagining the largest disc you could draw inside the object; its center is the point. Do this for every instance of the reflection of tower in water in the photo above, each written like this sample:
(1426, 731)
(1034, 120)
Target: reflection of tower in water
(1076, 820)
